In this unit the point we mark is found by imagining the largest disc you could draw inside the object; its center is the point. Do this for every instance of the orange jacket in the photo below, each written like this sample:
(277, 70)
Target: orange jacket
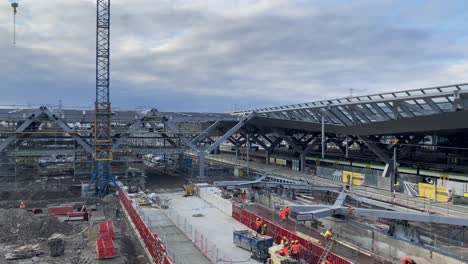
(282, 214)
(258, 223)
(295, 249)
(287, 210)
(286, 250)
(406, 260)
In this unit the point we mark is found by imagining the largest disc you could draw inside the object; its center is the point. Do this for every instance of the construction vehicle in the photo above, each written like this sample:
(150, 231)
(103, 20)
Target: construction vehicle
(188, 188)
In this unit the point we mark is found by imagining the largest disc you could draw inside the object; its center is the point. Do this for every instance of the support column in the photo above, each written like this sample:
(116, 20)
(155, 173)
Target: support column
(323, 137)
(346, 146)
(303, 161)
(268, 154)
(201, 157)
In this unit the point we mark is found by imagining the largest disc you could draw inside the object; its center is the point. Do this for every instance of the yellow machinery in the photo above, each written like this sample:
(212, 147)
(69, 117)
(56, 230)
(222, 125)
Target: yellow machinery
(188, 188)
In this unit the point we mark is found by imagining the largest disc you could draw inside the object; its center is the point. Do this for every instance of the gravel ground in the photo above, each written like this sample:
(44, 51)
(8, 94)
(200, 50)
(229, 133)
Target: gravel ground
(19, 228)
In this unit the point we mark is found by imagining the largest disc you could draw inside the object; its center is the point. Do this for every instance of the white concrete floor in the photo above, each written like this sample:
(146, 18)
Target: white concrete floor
(216, 225)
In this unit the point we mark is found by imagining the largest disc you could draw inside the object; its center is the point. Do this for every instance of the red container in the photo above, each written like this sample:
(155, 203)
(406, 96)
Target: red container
(59, 210)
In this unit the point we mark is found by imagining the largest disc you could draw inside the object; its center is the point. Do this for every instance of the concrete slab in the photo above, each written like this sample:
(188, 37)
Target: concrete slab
(215, 225)
(179, 246)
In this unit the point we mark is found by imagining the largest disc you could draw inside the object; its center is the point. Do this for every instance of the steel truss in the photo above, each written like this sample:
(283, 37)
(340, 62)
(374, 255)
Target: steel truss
(351, 111)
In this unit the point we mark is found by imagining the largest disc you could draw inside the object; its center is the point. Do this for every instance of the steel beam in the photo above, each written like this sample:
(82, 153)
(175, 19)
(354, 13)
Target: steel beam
(321, 213)
(67, 129)
(230, 132)
(173, 127)
(414, 217)
(206, 133)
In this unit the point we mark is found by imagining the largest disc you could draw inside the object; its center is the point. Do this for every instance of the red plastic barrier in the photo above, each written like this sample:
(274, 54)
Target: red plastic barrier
(105, 248)
(106, 230)
(277, 232)
(152, 243)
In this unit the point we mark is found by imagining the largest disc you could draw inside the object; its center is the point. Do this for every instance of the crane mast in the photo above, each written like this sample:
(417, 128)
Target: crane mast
(102, 133)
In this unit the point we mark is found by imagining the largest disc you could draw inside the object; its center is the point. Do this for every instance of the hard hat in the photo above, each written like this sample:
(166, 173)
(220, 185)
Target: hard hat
(265, 225)
(297, 241)
(258, 218)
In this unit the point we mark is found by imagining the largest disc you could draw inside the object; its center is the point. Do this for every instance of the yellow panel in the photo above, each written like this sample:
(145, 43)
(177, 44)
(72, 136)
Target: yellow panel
(347, 175)
(426, 190)
(358, 179)
(465, 195)
(354, 178)
(442, 194)
(281, 161)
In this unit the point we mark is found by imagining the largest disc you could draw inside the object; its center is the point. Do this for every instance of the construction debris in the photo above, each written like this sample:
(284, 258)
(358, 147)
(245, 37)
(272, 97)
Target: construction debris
(56, 244)
(19, 224)
(23, 252)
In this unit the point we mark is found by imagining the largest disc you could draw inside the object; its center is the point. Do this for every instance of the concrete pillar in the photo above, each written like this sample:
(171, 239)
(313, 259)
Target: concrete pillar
(267, 157)
(303, 162)
(237, 151)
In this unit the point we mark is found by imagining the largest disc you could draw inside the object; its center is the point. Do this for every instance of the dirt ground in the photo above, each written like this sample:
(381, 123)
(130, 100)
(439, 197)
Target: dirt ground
(20, 228)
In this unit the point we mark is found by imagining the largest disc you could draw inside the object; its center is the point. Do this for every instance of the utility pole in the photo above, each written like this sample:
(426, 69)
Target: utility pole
(14, 5)
(248, 156)
(394, 175)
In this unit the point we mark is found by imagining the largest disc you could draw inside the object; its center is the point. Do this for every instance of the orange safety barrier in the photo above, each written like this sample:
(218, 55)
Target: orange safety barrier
(277, 232)
(152, 242)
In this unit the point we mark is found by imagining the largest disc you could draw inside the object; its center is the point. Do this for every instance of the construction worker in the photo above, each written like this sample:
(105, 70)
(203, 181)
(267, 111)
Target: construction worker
(22, 206)
(328, 234)
(287, 210)
(243, 196)
(295, 250)
(264, 230)
(286, 249)
(284, 240)
(407, 260)
(282, 214)
(258, 225)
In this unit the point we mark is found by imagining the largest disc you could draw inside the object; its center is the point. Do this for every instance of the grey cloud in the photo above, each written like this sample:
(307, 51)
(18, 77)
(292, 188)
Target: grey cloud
(176, 55)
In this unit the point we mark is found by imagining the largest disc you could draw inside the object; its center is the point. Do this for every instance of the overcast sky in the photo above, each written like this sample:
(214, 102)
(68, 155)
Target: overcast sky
(217, 55)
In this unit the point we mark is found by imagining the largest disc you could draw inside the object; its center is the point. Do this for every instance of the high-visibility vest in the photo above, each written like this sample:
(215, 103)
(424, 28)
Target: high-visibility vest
(282, 214)
(258, 223)
(286, 250)
(295, 249)
(328, 233)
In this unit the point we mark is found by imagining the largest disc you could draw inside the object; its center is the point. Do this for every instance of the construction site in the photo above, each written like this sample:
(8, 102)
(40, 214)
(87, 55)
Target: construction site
(373, 178)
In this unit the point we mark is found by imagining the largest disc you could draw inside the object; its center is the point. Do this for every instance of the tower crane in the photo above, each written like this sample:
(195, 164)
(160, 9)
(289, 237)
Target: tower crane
(102, 131)
(102, 134)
